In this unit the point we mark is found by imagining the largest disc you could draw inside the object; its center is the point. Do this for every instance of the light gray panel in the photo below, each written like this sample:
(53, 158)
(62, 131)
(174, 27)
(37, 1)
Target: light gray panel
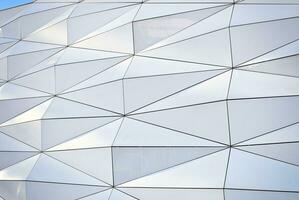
(257, 40)
(246, 14)
(143, 91)
(17, 106)
(10, 144)
(134, 162)
(8, 190)
(249, 171)
(138, 133)
(27, 132)
(56, 131)
(284, 66)
(10, 158)
(210, 174)
(157, 29)
(212, 48)
(207, 121)
(92, 22)
(287, 152)
(50, 191)
(254, 117)
(81, 71)
(99, 196)
(106, 96)
(174, 194)
(246, 84)
(20, 63)
(43, 80)
(285, 134)
(119, 39)
(259, 195)
(57, 171)
(95, 162)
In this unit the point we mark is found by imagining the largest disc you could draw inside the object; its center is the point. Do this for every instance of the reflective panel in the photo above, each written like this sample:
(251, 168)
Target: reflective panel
(149, 100)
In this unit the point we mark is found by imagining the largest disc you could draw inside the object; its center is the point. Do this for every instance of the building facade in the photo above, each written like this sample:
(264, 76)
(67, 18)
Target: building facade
(154, 100)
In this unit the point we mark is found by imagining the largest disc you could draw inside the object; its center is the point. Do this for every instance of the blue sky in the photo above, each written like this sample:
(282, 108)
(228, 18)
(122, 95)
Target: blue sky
(12, 3)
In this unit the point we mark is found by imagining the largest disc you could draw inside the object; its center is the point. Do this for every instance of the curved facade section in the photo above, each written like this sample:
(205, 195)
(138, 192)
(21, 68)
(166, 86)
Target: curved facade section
(154, 100)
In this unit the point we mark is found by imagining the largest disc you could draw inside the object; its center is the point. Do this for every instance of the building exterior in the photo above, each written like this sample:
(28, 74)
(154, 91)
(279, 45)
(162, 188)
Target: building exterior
(154, 100)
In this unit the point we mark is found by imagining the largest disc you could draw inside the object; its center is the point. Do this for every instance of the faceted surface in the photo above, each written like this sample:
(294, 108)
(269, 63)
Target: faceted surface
(150, 100)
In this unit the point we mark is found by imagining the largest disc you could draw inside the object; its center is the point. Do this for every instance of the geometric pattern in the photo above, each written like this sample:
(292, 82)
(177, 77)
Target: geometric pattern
(149, 100)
